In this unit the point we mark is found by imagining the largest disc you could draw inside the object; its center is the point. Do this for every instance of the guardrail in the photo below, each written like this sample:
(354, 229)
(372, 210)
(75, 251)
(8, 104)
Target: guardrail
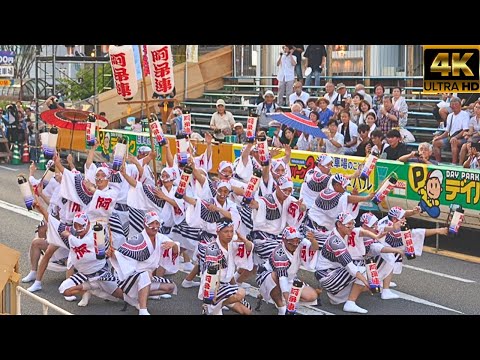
(45, 303)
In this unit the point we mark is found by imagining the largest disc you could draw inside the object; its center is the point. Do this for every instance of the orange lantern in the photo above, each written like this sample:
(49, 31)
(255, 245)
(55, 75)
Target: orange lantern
(123, 68)
(160, 62)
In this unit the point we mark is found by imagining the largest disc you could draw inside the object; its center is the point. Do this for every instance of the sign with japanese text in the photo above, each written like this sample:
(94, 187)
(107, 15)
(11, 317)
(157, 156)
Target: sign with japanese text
(123, 70)
(160, 62)
(7, 57)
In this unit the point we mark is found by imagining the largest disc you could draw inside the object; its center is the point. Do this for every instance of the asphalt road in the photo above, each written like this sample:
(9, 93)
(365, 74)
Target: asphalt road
(429, 285)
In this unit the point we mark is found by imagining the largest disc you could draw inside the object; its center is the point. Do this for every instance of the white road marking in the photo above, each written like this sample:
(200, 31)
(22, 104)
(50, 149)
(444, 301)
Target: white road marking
(7, 168)
(438, 274)
(422, 301)
(20, 210)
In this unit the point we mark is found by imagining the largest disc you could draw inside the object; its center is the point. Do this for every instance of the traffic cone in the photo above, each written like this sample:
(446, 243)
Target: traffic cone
(26, 154)
(42, 161)
(16, 155)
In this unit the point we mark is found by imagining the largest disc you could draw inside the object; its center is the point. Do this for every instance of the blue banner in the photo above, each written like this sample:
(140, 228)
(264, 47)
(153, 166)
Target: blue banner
(7, 57)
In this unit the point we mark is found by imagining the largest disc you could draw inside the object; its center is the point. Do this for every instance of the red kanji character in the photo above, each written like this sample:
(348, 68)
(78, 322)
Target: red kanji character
(163, 85)
(241, 250)
(103, 202)
(160, 54)
(118, 59)
(162, 69)
(120, 74)
(123, 89)
(80, 250)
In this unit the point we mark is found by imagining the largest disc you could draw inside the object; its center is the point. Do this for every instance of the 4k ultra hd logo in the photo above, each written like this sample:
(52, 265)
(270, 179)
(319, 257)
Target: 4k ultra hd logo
(451, 68)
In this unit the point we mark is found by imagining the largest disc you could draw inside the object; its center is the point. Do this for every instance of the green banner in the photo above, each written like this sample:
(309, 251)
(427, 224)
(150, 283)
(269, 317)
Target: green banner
(109, 138)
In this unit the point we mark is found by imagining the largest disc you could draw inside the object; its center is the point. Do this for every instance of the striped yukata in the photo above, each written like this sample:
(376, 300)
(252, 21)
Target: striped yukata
(200, 217)
(269, 220)
(286, 266)
(327, 206)
(92, 273)
(314, 182)
(215, 253)
(135, 261)
(394, 239)
(336, 270)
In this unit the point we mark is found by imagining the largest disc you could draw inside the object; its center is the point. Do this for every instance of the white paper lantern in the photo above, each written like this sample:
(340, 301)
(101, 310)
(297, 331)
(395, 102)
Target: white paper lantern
(123, 69)
(160, 62)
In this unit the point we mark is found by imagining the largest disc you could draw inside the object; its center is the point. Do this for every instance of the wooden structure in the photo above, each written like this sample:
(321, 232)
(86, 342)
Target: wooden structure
(9, 279)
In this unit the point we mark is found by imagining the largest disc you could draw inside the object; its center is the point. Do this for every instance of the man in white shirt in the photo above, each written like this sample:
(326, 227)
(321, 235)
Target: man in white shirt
(330, 94)
(334, 143)
(298, 94)
(286, 73)
(360, 89)
(457, 124)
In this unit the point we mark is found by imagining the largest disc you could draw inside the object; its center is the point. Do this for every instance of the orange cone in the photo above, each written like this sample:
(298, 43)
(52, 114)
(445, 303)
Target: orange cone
(26, 154)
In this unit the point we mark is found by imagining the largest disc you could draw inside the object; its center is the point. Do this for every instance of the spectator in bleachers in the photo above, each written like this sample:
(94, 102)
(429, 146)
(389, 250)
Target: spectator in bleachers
(314, 117)
(289, 138)
(473, 159)
(441, 111)
(364, 144)
(286, 73)
(350, 133)
(330, 94)
(387, 115)
(423, 155)
(364, 107)
(316, 56)
(396, 147)
(370, 120)
(377, 99)
(473, 134)
(137, 126)
(265, 107)
(325, 112)
(400, 105)
(353, 107)
(240, 134)
(343, 97)
(360, 88)
(312, 105)
(222, 121)
(457, 124)
(306, 142)
(334, 142)
(379, 146)
(298, 94)
(297, 52)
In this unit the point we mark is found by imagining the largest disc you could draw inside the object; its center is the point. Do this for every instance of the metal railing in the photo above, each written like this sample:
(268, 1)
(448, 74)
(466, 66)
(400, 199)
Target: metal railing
(45, 303)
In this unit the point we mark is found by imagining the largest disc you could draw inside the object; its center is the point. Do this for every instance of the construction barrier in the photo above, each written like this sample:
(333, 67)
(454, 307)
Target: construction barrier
(16, 155)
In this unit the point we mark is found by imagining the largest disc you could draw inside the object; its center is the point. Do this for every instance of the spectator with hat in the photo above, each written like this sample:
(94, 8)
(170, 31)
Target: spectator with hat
(240, 134)
(222, 121)
(343, 96)
(325, 112)
(265, 107)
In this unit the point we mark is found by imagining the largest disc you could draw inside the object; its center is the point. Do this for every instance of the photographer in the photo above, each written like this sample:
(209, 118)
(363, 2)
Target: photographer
(423, 155)
(52, 103)
(286, 73)
(222, 121)
(472, 161)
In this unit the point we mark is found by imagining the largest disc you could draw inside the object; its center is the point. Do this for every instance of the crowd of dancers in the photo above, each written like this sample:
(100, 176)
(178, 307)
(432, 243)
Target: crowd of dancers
(121, 232)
